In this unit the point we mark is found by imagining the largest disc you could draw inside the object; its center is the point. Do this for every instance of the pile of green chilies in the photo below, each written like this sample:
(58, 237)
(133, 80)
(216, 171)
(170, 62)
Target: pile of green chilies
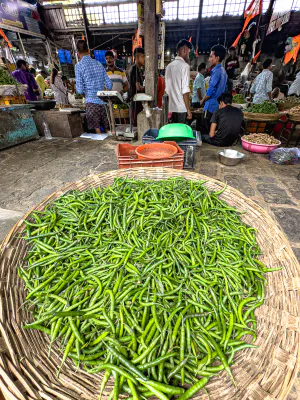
(155, 282)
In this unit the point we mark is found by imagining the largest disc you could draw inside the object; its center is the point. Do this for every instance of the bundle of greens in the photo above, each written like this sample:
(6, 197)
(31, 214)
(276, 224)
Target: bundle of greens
(264, 108)
(5, 78)
(238, 99)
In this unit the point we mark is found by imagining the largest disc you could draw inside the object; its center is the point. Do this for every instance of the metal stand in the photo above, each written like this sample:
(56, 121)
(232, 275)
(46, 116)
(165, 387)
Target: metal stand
(113, 97)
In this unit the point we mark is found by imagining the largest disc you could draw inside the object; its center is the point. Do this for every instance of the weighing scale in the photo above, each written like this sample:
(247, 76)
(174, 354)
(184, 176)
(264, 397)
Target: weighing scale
(114, 97)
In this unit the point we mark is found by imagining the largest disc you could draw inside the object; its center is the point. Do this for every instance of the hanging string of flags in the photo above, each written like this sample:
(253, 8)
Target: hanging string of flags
(254, 9)
(5, 38)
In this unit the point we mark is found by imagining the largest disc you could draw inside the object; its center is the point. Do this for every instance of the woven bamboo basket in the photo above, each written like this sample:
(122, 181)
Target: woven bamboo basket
(264, 373)
(121, 113)
(286, 105)
(261, 117)
(8, 100)
(294, 117)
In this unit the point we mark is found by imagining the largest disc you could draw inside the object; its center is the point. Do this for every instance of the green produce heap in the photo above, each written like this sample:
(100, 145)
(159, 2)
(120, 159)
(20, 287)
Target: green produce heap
(264, 108)
(238, 99)
(6, 79)
(155, 282)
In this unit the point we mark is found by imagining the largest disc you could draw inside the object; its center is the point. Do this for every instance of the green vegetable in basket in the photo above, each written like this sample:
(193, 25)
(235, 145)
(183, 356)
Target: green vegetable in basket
(5, 78)
(122, 106)
(264, 108)
(155, 282)
(238, 99)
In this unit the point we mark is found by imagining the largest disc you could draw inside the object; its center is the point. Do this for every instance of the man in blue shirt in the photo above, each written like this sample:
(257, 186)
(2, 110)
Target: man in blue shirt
(90, 78)
(217, 84)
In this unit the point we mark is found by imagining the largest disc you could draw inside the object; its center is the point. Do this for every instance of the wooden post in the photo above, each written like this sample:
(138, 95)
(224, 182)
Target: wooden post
(151, 45)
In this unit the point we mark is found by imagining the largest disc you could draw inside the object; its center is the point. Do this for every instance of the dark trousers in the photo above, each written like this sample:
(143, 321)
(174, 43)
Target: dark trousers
(135, 108)
(229, 85)
(178, 118)
(206, 122)
(207, 139)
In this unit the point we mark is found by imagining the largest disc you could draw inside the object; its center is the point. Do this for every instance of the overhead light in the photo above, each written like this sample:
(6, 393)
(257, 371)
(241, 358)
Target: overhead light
(168, 52)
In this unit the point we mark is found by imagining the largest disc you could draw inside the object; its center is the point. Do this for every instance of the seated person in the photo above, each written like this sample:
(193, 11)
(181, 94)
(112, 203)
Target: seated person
(277, 94)
(226, 123)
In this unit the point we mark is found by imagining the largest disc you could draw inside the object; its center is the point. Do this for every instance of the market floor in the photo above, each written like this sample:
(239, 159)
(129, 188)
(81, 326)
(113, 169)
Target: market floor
(32, 171)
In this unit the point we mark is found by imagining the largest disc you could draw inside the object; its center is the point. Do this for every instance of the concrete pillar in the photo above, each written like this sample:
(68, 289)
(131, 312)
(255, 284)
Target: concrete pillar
(150, 44)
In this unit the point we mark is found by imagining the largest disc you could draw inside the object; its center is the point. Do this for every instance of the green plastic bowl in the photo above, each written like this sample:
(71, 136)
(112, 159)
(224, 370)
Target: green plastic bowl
(175, 132)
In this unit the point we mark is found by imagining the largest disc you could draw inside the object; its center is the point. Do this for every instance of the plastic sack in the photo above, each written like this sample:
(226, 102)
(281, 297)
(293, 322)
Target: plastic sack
(285, 156)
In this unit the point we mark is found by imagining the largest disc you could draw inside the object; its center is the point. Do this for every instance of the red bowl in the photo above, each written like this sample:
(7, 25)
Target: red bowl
(155, 151)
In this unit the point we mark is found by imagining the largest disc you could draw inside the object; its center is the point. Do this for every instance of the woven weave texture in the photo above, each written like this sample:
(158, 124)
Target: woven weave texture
(265, 373)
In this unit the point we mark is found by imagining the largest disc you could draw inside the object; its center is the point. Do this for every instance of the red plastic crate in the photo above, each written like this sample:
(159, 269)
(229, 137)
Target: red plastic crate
(128, 159)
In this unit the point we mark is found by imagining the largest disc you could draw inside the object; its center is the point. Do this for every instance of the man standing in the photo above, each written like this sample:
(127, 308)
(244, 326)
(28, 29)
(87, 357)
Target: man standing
(90, 78)
(231, 64)
(199, 86)
(40, 79)
(226, 123)
(116, 75)
(23, 76)
(262, 86)
(217, 84)
(136, 83)
(178, 83)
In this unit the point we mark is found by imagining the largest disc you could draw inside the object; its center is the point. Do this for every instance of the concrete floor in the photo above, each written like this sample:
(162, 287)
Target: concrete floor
(32, 171)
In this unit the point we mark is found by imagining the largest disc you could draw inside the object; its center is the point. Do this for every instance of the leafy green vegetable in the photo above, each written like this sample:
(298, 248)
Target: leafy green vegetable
(264, 108)
(5, 78)
(238, 99)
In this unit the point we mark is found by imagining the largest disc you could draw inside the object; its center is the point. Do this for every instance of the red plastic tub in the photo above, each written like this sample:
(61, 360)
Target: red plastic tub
(127, 158)
(155, 151)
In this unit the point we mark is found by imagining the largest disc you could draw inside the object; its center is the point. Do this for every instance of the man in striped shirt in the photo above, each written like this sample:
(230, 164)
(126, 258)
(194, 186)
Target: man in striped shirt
(90, 78)
(116, 75)
(262, 85)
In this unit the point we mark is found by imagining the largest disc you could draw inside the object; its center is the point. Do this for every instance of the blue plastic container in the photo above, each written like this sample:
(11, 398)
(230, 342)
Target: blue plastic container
(188, 146)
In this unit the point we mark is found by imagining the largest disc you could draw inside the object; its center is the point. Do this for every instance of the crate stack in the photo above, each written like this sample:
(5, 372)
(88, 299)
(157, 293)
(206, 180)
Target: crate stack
(66, 63)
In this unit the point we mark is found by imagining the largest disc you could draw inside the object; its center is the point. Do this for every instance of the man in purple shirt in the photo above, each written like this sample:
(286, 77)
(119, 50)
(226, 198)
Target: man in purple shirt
(23, 76)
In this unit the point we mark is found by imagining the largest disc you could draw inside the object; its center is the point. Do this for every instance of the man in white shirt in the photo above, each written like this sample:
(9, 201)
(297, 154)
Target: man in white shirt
(178, 83)
(294, 89)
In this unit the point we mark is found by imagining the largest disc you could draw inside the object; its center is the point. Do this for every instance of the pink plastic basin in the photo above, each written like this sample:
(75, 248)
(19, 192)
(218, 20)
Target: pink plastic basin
(259, 148)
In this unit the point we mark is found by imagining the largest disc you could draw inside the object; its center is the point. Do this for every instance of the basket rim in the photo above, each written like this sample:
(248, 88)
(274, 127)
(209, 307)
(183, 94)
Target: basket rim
(286, 385)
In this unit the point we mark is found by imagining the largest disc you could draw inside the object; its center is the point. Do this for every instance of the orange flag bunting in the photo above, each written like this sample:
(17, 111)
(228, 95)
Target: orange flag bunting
(5, 38)
(293, 53)
(256, 57)
(254, 9)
